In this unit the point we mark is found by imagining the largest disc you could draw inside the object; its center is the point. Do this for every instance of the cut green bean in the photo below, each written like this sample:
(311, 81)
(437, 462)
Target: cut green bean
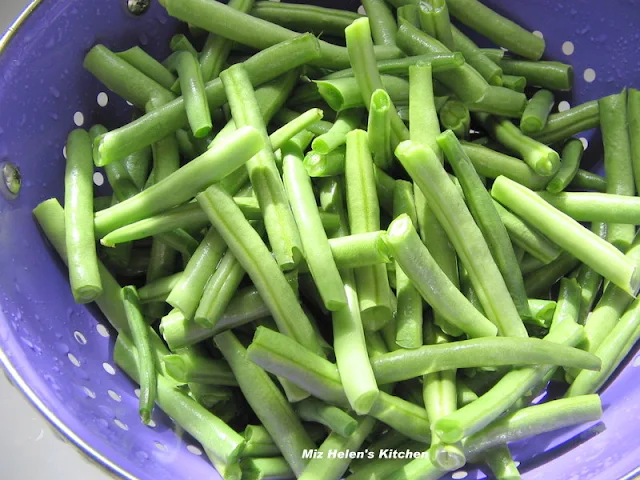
(515, 83)
(538, 283)
(410, 14)
(454, 116)
(265, 178)
(537, 112)
(571, 156)
(495, 54)
(305, 18)
(590, 281)
(295, 127)
(336, 420)
(568, 234)
(426, 170)
(347, 121)
(568, 306)
(158, 290)
(192, 364)
(500, 101)
(484, 212)
(146, 367)
(422, 111)
(379, 129)
(209, 395)
(148, 65)
(264, 468)
(491, 72)
(542, 312)
(84, 274)
(383, 23)
(596, 207)
(434, 19)
(477, 415)
(501, 463)
(496, 28)
(617, 161)
(633, 117)
(542, 159)
(551, 75)
(563, 125)
(432, 283)
(330, 165)
(315, 243)
(585, 180)
(180, 43)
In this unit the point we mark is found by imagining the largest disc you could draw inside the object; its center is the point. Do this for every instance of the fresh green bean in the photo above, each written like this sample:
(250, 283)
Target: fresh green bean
(501, 464)
(590, 281)
(491, 72)
(454, 116)
(538, 283)
(618, 165)
(346, 121)
(585, 180)
(432, 283)
(484, 212)
(477, 415)
(563, 125)
(84, 275)
(379, 129)
(515, 83)
(210, 395)
(146, 367)
(215, 435)
(424, 126)
(537, 112)
(426, 170)
(542, 159)
(385, 185)
(568, 234)
(335, 419)
(365, 71)
(571, 156)
(148, 65)
(285, 115)
(330, 165)
(408, 13)
(193, 92)
(596, 207)
(192, 364)
(496, 28)
(295, 127)
(434, 19)
(527, 238)
(240, 27)
(263, 468)
(259, 443)
(315, 243)
(262, 67)
(495, 54)
(305, 18)
(263, 172)
(500, 101)
(633, 117)
(542, 312)
(383, 23)
(251, 252)
(551, 75)
(180, 43)
(568, 306)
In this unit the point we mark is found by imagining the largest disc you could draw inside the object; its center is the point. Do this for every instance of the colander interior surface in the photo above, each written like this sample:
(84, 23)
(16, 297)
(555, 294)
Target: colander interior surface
(59, 353)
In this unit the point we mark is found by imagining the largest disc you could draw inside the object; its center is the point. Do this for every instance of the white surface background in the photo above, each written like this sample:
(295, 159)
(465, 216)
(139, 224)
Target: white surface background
(29, 449)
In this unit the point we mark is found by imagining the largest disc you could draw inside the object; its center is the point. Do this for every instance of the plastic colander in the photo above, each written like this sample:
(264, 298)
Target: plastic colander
(59, 354)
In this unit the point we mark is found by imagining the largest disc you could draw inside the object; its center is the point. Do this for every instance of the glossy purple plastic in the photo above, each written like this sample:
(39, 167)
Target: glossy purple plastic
(44, 335)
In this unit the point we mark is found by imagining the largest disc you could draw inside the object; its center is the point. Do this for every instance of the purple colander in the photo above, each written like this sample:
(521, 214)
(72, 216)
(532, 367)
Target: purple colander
(59, 354)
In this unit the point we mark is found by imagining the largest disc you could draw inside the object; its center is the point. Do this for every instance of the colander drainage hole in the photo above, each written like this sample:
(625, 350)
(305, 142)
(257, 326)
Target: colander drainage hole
(161, 446)
(361, 10)
(563, 106)
(538, 34)
(90, 393)
(102, 330)
(589, 75)
(78, 119)
(80, 338)
(636, 361)
(136, 392)
(64, 151)
(195, 450)
(98, 179)
(108, 368)
(74, 361)
(585, 142)
(459, 475)
(568, 48)
(114, 396)
(103, 99)
(122, 425)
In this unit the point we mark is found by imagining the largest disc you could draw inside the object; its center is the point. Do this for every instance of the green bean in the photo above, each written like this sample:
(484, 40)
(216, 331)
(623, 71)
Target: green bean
(432, 283)
(500, 101)
(84, 274)
(424, 125)
(315, 243)
(491, 72)
(465, 82)
(409, 311)
(542, 159)
(495, 54)
(541, 280)
(267, 402)
(568, 306)
(633, 117)
(385, 185)
(146, 367)
(210, 395)
(192, 364)
(240, 27)
(327, 467)
(265, 178)
(477, 415)
(492, 164)
(259, 443)
(193, 91)
(330, 165)
(215, 435)
(262, 468)
(434, 20)
(527, 238)
(305, 18)
(551, 75)
(102, 203)
(515, 83)
(251, 252)
(364, 216)
(571, 157)
(568, 234)
(453, 215)
(365, 70)
(542, 312)
(400, 66)
(501, 464)
(225, 470)
(295, 127)
(336, 420)
(163, 121)
(347, 121)
(563, 125)
(596, 207)
(585, 180)
(454, 116)
(537, 112)
(285, 115)
(283, 356)
(614, 348)
(124, 79)
(496, 28)
(148, 65)
(590, 281)
(186, 144)
(488, 220)
(618, 165)
(379, 129)
(182, 185)
(180, 43)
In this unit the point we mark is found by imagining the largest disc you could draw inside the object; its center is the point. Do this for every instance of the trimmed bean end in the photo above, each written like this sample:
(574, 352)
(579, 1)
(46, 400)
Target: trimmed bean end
(87, 293)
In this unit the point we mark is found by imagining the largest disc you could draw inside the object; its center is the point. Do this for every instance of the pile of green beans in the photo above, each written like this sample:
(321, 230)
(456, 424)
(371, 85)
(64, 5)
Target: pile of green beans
(350, 247)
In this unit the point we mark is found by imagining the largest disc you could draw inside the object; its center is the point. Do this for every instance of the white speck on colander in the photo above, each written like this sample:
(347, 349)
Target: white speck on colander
(459, 475)
(108, 368)
(78, 119)
(589, 75)
(80, 338)
(102, 330)
(121, 424)
(585, 142)
(74, 361)
(193, 449)
(103, 99)
(114, 396)
(90, 393)
(568, 48)
(98, 179)
(563, 106)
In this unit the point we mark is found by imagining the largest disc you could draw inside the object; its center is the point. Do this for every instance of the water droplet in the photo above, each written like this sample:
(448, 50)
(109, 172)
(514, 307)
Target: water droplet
(144, 40)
